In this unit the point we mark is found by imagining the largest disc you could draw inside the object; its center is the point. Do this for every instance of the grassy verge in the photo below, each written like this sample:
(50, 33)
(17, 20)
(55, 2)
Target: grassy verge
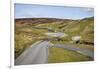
(58, 55)
(22, 42)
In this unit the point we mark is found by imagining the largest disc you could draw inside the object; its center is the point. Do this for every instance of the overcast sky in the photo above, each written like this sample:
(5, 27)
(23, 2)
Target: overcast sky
(43, 11)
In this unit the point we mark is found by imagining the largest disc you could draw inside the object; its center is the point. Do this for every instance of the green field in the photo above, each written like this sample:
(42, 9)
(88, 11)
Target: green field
(58, 55)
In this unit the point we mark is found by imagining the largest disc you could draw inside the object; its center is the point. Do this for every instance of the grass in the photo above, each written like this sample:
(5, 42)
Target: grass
(22, 41)
(25, 36)
(58, 55)
(83, 28)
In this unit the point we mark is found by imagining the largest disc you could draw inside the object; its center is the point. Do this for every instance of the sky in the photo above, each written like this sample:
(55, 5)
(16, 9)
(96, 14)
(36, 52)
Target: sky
(45, 11)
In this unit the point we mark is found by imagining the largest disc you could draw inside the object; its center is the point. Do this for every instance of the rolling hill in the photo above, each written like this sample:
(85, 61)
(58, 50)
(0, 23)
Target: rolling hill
(31, 30)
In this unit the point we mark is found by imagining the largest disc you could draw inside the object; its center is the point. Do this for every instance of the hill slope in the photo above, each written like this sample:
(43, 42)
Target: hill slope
(30, 30)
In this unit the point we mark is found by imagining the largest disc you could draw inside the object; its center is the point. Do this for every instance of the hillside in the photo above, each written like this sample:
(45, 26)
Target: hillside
(31, 30)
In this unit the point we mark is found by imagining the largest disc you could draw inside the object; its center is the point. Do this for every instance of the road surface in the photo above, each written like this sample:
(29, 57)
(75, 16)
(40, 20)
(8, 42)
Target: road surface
(36, 54)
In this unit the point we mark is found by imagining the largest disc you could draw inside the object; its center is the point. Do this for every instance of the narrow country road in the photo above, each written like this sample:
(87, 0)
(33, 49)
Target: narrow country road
(36, 54)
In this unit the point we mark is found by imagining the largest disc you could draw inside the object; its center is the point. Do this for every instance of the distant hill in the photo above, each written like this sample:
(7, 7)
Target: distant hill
(46, 20)
(89, 18)
(40, 20)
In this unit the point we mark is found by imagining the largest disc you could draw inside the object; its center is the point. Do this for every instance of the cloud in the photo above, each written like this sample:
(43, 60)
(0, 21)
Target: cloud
(88, 9)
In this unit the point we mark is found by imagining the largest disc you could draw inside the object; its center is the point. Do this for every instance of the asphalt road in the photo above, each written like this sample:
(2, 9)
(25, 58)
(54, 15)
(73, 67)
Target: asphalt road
(36, 54)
